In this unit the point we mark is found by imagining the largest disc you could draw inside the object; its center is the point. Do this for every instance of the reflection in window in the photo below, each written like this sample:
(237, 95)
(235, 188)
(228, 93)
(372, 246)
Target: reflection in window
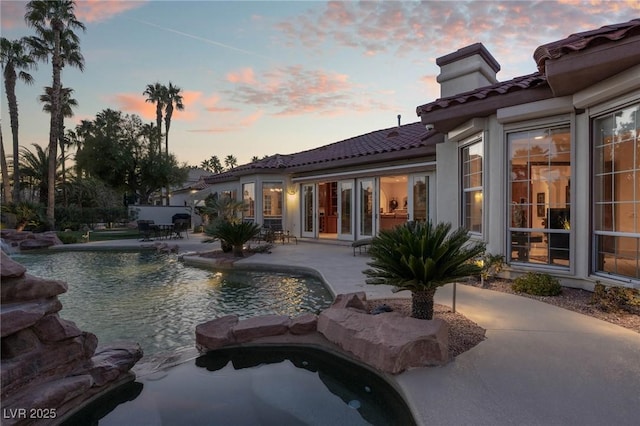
(540, 196)
(472, 164)
(346, 189)
(616, 185)
(272, 200)
(249, 198)
(366, 208)
(420, 198)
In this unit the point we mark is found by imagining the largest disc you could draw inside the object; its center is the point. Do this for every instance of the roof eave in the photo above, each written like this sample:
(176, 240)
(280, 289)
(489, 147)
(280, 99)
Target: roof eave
(575, 71)
(446, 119)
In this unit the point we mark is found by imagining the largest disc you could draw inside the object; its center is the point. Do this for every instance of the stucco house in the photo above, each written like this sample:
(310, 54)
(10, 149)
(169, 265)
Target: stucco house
(546, 167)
(346, 190)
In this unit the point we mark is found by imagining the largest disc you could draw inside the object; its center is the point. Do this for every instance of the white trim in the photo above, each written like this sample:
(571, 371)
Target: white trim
(535, 110)
(363, 173)
(619, 86)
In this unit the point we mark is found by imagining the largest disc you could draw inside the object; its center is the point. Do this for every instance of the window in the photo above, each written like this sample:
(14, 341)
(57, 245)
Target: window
(472, 164)
(616, 192)
(540, 196)
(249, 198)
(272, 203)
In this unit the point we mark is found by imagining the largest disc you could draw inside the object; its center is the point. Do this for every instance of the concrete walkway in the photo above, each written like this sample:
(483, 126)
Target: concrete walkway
(539, 365)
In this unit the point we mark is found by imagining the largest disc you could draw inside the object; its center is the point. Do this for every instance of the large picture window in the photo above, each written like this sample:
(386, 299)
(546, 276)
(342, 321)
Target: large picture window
(472, 170)
(616, 185)
(272, 204)
(249, 199)
(540, 196)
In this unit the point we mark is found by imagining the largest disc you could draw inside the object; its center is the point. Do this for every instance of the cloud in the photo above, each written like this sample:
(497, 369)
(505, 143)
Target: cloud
(245, 75)
(294, 90)
(135, 103)
(510, 30)
(12, 14)
(101, 10)
(211, 105)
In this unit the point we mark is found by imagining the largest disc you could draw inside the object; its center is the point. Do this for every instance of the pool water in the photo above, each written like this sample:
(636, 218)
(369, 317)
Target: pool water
(254, 386)
(156, 300)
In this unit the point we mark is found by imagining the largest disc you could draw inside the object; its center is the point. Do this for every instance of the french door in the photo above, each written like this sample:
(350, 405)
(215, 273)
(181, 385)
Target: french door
(366, 208)
(309, 210)
(346, 210)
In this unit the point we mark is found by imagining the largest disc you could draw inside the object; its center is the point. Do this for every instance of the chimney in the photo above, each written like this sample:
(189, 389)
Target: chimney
(466, 69)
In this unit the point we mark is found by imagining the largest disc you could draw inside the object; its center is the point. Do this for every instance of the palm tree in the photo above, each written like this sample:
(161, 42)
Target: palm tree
(6, 185)
(34, 167)
(172, 98)
(54, 22)
(420, 257)
(16, 60)
(68, 103)
(255, 158)
(216, 165)
(230, 161)
(156, 94)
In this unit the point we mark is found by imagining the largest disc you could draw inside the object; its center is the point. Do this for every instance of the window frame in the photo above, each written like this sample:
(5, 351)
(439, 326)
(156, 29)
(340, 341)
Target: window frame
(463, 147)
(597, 115)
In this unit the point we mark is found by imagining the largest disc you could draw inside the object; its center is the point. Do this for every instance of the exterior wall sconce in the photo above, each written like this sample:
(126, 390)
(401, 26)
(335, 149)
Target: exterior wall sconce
(292, 189)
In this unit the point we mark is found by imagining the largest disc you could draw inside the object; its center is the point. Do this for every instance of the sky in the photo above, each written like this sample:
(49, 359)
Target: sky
(266, 77)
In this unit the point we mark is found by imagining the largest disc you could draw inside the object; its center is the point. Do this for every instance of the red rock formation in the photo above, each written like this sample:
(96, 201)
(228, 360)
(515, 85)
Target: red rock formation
(48, 366)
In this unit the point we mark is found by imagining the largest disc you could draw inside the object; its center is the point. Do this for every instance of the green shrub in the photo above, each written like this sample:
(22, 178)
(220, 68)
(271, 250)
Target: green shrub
(537, 284)
(614, 298)
(68, 237)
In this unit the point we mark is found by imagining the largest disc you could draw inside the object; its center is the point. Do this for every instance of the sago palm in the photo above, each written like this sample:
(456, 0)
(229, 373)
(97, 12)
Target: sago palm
(421, 257)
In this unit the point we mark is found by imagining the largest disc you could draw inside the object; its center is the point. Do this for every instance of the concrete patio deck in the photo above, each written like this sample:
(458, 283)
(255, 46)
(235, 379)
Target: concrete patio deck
(539, 364)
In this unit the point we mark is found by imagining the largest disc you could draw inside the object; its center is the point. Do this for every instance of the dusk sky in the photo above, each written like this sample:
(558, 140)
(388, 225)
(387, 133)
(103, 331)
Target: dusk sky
(266, 77)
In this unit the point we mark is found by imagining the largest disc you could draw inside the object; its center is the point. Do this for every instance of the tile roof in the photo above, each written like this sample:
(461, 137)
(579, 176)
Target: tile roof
(364, 147)
(516, 84)
(580, 41)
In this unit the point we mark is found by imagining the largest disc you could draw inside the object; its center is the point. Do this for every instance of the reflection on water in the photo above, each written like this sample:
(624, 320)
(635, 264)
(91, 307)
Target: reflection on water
(255, 386)
(156, 300)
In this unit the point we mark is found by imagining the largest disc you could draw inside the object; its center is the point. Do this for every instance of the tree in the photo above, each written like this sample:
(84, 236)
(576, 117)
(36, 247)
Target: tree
(255, 158)
(421, 257)
(216, 165)
(230, 161)
(172, 98)
(16, 60)
(68, 103)
(6, 185)
(156, 94)
(54, 22)
(34, 167)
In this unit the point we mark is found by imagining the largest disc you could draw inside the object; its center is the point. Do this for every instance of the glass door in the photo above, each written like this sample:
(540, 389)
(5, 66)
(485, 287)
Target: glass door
(366, 209)
(420, 198)
(346, 211)
(309, 210)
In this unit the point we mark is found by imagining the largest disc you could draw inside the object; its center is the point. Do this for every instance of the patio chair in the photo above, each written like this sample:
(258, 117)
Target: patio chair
(145, 229)
(180, 226)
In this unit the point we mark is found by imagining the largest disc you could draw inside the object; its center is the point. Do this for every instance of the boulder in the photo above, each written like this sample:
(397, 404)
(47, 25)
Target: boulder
(216, 333)
(28, 287)
(52, 328)
(33, 244)
(110, 362)
(390, 341)
(303, 324)
(10, 268)
(262, 326)
(351, 300)
(16, 316)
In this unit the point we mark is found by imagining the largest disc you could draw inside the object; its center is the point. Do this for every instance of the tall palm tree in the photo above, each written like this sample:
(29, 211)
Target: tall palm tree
(173, 98)
(16, 61)
(68, 103)
(216, 165)
(6, 185)
(230, 161)
(156, 94)
(255, 158)
(54, 22)
(421, 257)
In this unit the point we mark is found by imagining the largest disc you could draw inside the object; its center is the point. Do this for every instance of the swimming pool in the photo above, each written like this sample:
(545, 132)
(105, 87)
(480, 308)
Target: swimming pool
(156, 300)
(254, 386)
